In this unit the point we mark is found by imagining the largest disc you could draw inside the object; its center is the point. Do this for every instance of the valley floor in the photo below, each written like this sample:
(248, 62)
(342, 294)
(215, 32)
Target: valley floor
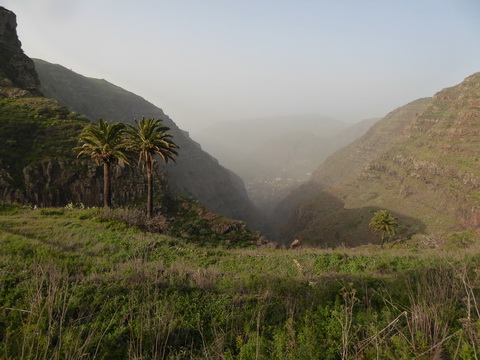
(74, 284)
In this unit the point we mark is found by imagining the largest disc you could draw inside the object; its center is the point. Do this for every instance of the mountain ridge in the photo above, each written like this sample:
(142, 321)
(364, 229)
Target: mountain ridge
(47, 173)
(347, 161)
(196, 172)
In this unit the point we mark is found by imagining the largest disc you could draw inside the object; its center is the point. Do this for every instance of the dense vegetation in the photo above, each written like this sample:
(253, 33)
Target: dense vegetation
(33, 129)
(81, 283)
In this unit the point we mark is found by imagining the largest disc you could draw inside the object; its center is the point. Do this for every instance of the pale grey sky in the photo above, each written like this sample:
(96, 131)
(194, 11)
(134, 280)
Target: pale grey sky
(204, 61)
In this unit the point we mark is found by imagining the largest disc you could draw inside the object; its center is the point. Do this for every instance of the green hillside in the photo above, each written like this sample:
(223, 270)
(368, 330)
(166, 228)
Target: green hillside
(81, 284)
(39, 167)
(33, 129)
(428, 177)
(95, 98)
(37, 134)
(345, 164)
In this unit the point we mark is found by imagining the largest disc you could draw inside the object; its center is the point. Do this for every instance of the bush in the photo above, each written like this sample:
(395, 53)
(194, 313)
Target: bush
(52, 212)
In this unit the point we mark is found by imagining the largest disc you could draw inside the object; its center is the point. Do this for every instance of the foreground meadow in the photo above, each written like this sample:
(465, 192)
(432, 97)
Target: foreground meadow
(75, 284)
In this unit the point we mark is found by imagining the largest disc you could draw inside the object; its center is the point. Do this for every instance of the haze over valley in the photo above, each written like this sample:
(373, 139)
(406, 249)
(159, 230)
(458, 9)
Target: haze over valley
(275, 155)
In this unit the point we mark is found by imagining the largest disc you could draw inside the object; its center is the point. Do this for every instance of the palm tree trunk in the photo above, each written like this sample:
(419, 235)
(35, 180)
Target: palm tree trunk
(107, 194)
(383, 239)
(150, 188)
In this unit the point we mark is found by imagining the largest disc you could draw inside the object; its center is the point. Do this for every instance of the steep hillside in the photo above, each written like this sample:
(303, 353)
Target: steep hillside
(195, 173)
(352, 158)
(38, 166)
(348, 161)
(429, 177)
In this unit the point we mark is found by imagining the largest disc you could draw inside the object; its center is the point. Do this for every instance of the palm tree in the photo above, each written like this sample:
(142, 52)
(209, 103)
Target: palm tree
(383, 222)
(150, 138)
(104, 143)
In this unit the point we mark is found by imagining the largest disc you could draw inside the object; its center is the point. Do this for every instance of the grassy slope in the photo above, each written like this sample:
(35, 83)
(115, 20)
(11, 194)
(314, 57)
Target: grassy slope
(34, 129)
(73, 284)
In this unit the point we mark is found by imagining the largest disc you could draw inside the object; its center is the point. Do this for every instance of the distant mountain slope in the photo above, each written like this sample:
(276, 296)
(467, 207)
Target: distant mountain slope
(287, 146)
(348, 161)
(246, 146)
(196, 172)
(429, 176)
(273, 155)
(352, 158)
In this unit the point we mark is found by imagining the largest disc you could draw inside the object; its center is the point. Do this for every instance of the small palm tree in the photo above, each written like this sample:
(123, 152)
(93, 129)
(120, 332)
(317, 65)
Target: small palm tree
(104, 143)
(149, 138)
(383, 222)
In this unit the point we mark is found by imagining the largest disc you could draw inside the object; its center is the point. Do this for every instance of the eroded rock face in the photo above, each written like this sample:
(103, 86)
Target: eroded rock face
(57, 182)
(16, 69)
(8, 28)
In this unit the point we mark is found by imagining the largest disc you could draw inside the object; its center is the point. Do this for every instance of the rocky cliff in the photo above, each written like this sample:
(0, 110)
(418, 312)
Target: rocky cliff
(37, 164)
(16, 69)
(196, 173)
(429, 176)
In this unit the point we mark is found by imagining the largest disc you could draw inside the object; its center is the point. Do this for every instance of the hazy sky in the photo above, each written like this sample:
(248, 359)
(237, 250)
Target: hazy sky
(204, 61)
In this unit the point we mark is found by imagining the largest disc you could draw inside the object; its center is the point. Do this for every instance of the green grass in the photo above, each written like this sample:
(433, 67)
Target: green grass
(76, 284)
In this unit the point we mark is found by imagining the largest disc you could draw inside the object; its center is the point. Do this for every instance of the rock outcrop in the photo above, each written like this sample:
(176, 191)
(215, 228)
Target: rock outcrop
(57, 182)
(16, 69)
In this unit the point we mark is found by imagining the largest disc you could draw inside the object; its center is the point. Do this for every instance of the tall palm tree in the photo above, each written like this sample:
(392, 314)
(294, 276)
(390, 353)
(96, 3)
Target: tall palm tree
(383, 222)
(150, 138)
(104, 143)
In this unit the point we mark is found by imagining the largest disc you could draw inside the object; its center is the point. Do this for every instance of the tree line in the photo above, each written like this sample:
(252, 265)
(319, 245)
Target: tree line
(108, 143)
